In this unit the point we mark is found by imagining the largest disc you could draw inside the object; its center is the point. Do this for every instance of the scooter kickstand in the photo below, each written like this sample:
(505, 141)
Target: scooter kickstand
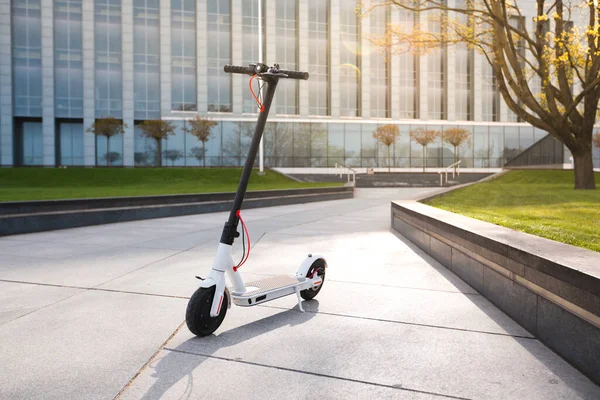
(299, 299)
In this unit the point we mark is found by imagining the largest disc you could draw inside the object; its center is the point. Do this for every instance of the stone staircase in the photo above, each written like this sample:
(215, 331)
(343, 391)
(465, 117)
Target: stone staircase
(396, 179)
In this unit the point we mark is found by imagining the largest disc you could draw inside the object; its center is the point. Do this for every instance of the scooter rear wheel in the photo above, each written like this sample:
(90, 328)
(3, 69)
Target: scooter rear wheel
(197, 316)
(319, 266)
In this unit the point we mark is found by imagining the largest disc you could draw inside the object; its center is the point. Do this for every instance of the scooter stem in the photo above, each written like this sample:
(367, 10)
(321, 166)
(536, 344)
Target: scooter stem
(230, 230)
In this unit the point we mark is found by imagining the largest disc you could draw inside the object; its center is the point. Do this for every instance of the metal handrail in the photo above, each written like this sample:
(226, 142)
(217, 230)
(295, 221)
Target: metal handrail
(341, 173)
(457, 164)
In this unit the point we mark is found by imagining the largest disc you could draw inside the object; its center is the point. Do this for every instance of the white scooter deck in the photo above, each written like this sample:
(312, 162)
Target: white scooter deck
(270, 288)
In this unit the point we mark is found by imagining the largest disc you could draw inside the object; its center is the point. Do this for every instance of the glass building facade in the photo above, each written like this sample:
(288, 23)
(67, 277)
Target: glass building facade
(175, 70)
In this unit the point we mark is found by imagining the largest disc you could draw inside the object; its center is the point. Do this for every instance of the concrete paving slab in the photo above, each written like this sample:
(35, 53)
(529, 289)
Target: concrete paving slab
(85, 270)
(54, 250)
(86, 347)
(18, 299)
(440, 361)
(389, 319)
(175, 376)
(432, 308)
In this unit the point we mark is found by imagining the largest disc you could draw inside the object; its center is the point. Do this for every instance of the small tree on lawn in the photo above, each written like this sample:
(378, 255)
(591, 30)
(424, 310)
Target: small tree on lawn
(172, 155)
(201, 129)
(158, 130)
(424, 137)
(107, 127)
(387, 135)
(456, 137)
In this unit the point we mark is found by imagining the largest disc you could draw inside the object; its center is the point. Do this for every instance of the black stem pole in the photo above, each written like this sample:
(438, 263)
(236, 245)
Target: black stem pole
(230, 229)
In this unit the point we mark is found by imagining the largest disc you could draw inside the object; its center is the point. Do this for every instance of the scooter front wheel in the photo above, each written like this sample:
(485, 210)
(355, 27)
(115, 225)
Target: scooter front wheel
(197, 316)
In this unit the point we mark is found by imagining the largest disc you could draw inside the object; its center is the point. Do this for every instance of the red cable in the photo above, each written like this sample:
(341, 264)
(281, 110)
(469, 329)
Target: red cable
(255, 97)
(239, 215)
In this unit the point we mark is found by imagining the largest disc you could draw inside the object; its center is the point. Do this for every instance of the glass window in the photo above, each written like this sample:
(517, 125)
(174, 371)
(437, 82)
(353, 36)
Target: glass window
(352, 142)
(463, 72)
(250, 47)
(402, 147)
(481, 147)
(68, 71)
(71, 143)
(526, 137)
(109, 90)
(436, 73)
(380, 66)
(335, 144)
(183, 55)
(32, 141)
(496, 146)
(349, 59)
(146, 59)
(286, 50)
(318, 57)
(111, 155)
(173, 147)
(279, 144)
(219, 54)
(511, 142)
(196, 151)
(318, 144)
(408, 72)
(435, 149)
(27, 60)
(144, 149)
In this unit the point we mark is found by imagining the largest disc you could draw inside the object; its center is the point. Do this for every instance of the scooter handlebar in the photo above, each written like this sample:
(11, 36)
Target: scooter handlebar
(234, 69)
(294, 74)
(251, 70)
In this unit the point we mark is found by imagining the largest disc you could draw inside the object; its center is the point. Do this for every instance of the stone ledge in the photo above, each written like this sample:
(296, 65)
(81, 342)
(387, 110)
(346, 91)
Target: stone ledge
(54, 215)
(538, 282)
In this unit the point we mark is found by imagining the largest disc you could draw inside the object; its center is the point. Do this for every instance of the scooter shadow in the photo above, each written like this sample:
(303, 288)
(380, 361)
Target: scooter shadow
(175, 366)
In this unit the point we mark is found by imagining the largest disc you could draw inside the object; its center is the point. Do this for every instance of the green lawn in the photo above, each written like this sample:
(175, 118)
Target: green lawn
(542, 203)
(55, 183)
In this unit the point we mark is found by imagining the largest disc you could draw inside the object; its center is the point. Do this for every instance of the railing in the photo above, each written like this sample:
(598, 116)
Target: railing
(349, 171)
(445, 171)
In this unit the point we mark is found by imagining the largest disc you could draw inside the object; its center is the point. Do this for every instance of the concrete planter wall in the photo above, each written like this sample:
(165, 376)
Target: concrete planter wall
(551, 289)
(37, 216)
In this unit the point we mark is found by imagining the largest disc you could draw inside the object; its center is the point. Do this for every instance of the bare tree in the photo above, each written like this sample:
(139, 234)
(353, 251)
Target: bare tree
(549, 75)
(158, 130)
(456, 137)
(107, 127)
(387, 135)
(424, 137)
(201, 128)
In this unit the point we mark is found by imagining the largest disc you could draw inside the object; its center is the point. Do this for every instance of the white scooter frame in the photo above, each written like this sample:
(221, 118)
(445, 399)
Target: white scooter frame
(206, 310)
(259, 291)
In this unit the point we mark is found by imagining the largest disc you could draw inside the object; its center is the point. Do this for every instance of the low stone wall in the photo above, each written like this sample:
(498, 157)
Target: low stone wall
(37, 216)
(550, 288)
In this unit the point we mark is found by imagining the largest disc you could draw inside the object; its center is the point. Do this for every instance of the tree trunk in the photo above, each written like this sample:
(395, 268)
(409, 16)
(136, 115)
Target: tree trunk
(203, 155)
(423, 159)
(107, 151)
(159, 152)
(584, 170)
(455, 157)
(389, 164)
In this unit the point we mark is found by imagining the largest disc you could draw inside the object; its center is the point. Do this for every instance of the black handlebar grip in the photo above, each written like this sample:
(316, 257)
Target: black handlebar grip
(295, 74)
(234, 69)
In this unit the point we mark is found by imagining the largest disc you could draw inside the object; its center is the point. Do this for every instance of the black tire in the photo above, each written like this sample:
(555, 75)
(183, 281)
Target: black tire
(319, 265)
(197, 316)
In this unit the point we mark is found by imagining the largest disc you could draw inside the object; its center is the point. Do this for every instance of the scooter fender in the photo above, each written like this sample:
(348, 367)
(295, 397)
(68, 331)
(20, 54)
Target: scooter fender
(217, 279)
(307, 263)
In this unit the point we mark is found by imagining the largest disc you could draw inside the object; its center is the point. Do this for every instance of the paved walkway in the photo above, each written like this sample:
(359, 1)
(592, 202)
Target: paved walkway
(97, 312)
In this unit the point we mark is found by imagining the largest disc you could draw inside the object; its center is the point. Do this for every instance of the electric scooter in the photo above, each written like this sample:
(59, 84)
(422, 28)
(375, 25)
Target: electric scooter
(209, 304)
